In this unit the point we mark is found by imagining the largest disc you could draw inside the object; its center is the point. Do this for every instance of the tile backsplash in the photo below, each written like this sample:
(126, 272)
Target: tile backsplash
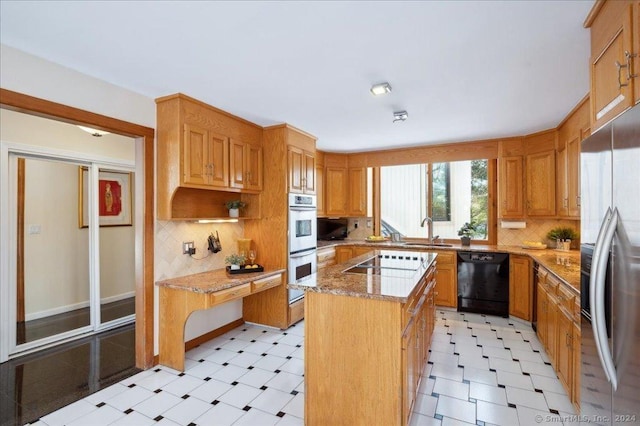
(536, 230)
(169, 260)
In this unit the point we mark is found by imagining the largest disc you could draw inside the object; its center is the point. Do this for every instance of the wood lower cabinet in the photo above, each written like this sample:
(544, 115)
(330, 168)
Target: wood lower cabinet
(446, 291)
(374, 377)
(343, 253)
(558, 311)
(614, 64)
(520, 287)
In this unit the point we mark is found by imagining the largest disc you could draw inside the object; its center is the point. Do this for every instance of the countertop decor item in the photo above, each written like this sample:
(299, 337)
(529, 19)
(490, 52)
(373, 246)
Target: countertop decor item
(465, 233)
(245, 269)
(562, 237)
(235, 261)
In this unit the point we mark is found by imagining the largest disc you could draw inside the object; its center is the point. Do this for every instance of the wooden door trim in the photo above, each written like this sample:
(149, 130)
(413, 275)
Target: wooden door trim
(145, 138)
(20, 314)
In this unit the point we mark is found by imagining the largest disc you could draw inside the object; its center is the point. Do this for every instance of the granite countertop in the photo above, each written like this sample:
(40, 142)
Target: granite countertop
(392, 285)
(215, 280)
(563, 264)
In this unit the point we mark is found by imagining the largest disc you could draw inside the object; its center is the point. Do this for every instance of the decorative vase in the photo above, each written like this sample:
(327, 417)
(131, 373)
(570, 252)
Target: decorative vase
(234, 213)
(465, 241)
(566, 245)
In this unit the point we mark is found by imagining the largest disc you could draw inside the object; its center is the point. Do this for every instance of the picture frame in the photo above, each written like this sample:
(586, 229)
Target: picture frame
(115, 205)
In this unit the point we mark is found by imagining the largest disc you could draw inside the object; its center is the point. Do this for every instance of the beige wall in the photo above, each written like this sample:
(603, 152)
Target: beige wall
(536, 230)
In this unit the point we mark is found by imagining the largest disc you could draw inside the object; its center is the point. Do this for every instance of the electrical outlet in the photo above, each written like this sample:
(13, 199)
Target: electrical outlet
(355, 224)
(188, 247)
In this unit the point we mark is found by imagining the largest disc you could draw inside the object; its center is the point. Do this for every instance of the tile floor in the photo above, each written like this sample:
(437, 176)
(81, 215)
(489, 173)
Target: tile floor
(482, 370)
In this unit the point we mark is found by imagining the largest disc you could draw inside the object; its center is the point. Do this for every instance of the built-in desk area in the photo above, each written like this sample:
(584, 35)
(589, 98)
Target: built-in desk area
(180, 297)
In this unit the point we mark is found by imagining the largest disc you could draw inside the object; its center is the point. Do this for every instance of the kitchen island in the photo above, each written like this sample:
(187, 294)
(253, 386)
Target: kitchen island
(368, 325)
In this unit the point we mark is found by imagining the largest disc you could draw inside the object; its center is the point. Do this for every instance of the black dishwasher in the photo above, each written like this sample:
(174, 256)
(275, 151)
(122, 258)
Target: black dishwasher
(483, 283)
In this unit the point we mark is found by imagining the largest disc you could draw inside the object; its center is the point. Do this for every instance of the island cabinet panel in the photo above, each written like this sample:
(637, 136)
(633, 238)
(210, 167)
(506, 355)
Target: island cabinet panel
(520, 287)
(369, 371)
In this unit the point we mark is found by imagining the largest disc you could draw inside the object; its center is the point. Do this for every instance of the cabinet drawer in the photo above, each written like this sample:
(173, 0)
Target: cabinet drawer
(230, 294)
(265, 283)
(551, 284)
(566, 298)
(577, 310)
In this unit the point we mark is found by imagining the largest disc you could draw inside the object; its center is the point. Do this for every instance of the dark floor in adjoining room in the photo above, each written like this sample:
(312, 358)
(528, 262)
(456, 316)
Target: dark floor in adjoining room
(29, 331)
(34, 385)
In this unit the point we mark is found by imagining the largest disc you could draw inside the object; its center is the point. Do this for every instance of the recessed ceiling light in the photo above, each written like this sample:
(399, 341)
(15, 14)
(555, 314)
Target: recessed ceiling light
(94, 132)
(400, 116)
(380, 89)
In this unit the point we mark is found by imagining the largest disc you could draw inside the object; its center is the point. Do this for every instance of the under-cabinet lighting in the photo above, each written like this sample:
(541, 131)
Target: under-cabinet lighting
(94, 132)
(380, 89)
(217, 221)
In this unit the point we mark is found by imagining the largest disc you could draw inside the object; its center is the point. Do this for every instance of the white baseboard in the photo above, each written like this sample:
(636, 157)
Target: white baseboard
(72, 307)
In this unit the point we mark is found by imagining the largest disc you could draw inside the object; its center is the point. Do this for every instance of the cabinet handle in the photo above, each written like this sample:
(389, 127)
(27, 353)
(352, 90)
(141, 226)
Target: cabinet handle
(620, 66)
(629, 56)
(565, 202)
(212, 168)
(578, 200)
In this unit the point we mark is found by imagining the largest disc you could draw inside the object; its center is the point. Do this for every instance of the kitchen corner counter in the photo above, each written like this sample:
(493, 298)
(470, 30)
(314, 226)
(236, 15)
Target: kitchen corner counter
(215, 280)
(563, 264)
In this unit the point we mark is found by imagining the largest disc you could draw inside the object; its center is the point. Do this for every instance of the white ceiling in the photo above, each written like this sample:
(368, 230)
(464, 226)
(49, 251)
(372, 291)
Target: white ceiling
(463, 70)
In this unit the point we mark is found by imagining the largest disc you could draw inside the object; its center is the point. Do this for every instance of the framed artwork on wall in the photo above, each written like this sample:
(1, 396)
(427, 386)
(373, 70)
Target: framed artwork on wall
(114, 198)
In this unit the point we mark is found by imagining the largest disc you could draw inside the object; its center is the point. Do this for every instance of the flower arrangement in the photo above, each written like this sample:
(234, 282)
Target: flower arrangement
(562, 234)
(235, 260)
(467, 229)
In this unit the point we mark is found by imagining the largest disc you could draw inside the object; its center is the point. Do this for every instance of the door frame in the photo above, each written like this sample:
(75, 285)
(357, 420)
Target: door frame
(144, 235)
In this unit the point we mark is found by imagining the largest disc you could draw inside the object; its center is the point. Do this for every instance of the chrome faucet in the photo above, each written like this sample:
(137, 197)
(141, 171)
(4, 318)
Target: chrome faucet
(428, 220)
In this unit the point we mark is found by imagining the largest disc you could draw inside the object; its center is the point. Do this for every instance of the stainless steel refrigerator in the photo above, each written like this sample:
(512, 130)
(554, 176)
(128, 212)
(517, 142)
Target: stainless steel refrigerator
(610, 280)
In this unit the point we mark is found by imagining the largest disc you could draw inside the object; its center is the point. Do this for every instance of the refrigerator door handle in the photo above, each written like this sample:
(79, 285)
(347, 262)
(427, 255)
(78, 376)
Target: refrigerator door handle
(597, 289)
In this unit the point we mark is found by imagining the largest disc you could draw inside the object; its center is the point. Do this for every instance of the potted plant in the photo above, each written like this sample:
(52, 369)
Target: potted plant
(234, 207)
(235, 260)
(465, 233)
(562, 236)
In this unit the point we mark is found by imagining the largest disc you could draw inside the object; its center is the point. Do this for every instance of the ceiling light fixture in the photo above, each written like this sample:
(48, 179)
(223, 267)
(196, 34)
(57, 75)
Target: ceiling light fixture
(400, 116)
(380, 89)
(94, 132)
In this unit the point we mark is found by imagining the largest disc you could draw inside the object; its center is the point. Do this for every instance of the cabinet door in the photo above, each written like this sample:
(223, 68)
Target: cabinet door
(236, 164)
(320, 191)
(296, 159)
(541, 184)
(446, 291)
(357, 251)
(195, 156)
(552, 329)
(309, 173)
(343, 254)
(573, 178)
(562, 201)
(520, 287)
(253, 167)
(564, 346)
(575, 383)
(611, 90)
(511, 188)
(336, 191)
(358, 191)
(219, 160)
(408, 372)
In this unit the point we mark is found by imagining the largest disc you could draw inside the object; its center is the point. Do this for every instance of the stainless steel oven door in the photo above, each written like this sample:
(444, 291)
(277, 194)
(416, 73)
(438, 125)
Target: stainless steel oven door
(301, 266)
(303, 232)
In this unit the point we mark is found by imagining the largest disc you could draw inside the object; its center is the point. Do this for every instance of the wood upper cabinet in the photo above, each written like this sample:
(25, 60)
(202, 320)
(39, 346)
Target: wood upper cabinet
(301, 170)
(541, 183)
(205, 158)
(357, 191)
(615, 66)
(245, 165)
(511, 187)
(520, 287)
(336, 190)
(320, 197)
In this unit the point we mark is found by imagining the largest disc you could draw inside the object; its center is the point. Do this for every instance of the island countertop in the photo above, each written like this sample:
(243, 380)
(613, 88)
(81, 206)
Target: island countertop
(215, 280)
(393, 285)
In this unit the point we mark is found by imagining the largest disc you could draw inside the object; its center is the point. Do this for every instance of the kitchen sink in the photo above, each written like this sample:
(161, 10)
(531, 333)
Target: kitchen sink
(428, 245)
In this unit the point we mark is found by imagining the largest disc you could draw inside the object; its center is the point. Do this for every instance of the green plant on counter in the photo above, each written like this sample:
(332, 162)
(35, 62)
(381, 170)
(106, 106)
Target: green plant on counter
(235, 204)
(235, 259)
(467, 229)
(562, 234)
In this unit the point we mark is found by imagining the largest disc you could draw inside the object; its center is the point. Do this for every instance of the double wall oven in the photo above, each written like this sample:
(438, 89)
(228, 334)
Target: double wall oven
(303, 240)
